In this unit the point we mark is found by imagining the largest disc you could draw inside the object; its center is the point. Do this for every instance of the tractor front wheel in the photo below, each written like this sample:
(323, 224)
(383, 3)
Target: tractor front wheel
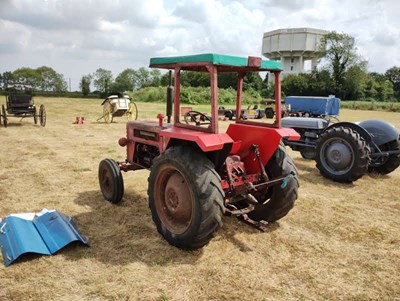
(278, 200)
(185, 197)
(308, 154)
(342, 155)
(388, 164)
(269, 113)
(110, 180)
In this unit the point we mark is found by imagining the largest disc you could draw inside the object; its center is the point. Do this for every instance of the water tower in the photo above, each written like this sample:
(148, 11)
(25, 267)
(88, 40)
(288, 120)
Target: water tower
(293, 47)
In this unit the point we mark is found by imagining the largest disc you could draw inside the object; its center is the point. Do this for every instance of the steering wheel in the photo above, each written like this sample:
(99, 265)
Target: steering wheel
(196, 118)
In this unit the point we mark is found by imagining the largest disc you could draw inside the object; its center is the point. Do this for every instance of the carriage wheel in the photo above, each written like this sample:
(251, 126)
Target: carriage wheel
(42, 115)
(107, 112)
(35, 116)
(4, 115)
(132, 112)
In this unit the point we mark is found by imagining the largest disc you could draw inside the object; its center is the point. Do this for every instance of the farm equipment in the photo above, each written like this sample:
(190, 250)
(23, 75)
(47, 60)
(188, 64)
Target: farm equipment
(118, 105)
(307, 106)
(269, 109)
(343, 151)
(198, 173)
(20, 103)
(249, 113)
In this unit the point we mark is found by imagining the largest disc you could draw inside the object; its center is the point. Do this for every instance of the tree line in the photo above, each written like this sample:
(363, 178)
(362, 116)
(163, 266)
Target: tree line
(341, 71)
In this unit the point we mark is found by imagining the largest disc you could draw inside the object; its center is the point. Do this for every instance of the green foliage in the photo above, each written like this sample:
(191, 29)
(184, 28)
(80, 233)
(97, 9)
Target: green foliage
(51, 80)
(195, 95)
(6, 77)
(85, 84)
(195, 79)
(149, 94)
(295, 85)
(340, 52)
(125, 81)
(252, 80)
(371, 105)
(42, 78)
(103, 80)
(393, 75)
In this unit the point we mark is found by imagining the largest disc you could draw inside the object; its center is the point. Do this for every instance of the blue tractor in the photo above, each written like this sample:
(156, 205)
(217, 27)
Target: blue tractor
(343, 151)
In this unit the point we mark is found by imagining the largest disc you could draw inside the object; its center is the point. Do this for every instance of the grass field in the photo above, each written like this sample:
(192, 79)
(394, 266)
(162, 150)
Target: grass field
(340, 242)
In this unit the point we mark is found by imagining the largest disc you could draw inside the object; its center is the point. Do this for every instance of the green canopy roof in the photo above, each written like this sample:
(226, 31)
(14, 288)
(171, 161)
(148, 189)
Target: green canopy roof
(215, 59)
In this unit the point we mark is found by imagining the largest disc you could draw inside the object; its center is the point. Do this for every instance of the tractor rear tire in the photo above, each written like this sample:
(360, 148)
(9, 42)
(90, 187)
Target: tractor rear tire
(110, 180)
(342, 155)
(388, 164)
(185, 197)
(278, 200)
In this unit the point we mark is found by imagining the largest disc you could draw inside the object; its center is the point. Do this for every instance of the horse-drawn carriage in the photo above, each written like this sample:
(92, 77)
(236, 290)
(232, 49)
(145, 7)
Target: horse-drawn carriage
(118, 106)
(20, 104)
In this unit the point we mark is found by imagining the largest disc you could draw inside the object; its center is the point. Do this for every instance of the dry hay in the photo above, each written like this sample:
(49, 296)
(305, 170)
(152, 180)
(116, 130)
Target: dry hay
(340, 242)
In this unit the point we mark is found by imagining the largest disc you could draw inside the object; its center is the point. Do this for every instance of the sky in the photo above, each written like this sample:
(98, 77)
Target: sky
(76, 37)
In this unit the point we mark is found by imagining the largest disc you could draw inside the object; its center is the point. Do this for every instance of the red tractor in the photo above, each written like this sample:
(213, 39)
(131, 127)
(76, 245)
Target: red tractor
(197, 173)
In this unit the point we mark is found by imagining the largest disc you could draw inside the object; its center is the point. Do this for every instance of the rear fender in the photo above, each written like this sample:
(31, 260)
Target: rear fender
(381, 131)
(266, 138)
(354, 126)
(215, 156)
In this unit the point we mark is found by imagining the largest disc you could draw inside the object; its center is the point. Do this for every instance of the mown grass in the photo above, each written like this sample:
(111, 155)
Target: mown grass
(340, 241)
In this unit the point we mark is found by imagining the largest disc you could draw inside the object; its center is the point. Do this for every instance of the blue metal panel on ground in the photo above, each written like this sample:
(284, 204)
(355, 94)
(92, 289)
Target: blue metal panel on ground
(45, 234)
(314, 105)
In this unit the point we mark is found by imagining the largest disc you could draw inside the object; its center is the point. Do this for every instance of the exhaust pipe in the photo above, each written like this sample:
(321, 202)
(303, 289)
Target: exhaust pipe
(169, 98)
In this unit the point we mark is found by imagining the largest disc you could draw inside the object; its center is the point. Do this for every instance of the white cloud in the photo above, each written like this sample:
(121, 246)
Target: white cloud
(76, 37)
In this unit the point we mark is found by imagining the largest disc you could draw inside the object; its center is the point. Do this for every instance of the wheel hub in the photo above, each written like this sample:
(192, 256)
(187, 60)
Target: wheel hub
(338, 156)
(173, 200)
(177, 198)
(106, 182)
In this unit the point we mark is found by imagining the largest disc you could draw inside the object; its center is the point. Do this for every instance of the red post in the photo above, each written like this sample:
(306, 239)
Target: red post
(214, 98)
(239, 94)
(177, 89)
(278, 115)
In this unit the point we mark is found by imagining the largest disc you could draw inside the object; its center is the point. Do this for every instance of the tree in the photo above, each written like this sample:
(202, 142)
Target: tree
(252, 80)
(355, 82)
(319, 83)
(384, 90)
(295, 85)
(340, 52)
(195, 79)
(227, 80)
(393, 75)
(103, 80)
(125, 81)
(30, 76)
(43, 78)
(6, 77)
(268, 89)
(51, 80)
(84, 85)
